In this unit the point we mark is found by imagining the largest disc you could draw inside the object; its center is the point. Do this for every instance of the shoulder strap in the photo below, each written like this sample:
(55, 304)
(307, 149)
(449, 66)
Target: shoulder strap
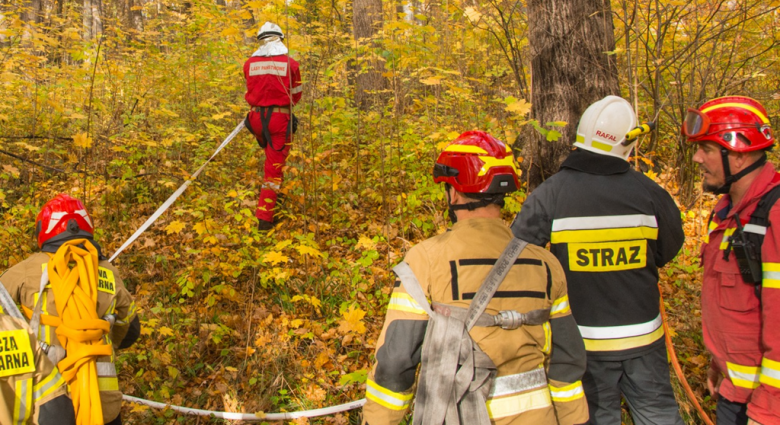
(412, 285)
(756, 227)
(486, 291)
(9, 306)
(493, 280)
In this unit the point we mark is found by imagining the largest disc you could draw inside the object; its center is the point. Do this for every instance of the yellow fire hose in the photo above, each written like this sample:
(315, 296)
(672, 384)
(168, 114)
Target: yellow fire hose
(81, 330)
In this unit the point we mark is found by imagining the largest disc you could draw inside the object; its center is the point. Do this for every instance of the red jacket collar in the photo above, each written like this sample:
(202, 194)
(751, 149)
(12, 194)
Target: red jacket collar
(764, 182)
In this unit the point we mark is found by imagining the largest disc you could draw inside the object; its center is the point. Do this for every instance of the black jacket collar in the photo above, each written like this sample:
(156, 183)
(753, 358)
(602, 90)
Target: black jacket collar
(593, 163)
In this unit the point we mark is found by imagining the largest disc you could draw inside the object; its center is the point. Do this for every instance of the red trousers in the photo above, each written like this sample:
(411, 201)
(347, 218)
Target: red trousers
(275, 157)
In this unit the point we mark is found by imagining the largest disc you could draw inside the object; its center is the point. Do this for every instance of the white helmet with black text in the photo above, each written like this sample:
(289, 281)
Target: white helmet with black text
(270, 29)
(604, 125)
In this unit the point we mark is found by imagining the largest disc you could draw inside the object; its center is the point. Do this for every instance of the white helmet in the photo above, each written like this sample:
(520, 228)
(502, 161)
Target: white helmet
(270, 29)
(604, 125)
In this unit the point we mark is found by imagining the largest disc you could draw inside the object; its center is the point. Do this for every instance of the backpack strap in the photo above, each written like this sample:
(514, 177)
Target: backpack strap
(456, 376)
(756, 228)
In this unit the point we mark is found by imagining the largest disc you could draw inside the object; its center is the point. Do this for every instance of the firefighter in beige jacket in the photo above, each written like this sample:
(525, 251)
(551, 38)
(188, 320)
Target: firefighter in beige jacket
(31, 388)
(538, 367)
(63, 225)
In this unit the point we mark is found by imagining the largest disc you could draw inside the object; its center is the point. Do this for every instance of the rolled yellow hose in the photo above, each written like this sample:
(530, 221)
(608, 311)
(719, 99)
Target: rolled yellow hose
(81, 331)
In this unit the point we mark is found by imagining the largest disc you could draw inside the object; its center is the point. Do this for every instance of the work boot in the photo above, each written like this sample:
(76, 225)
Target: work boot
(264, 226)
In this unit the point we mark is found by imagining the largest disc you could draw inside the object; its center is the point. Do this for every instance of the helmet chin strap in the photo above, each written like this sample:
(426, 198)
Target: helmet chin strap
(730, 179)
(471, 206)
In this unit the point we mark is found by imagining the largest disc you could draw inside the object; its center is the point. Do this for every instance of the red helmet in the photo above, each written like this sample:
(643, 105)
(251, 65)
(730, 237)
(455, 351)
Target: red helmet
(477, 162)
(62, 214)
(737, 123)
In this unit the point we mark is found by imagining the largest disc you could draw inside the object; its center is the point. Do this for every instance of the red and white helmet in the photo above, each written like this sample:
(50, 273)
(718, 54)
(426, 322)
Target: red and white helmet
(477, 162)
(737, 123)
(62, 214)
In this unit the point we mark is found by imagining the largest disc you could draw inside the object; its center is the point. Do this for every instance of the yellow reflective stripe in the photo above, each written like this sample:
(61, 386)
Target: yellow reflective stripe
(491, 162)
(560, 306)
(547, 338)
(567, 393)
(770, 373)
(502, 407)
(131, 312)
(405, 302)
(623, 343)
(758, 113)
(604, 235)
(108, 383)
(601, 146)
(713, 225)
(389, 399)
(724, 243)
(48, 385)
(22, 401)
(465, 149)
(771, 275)
(743, 376)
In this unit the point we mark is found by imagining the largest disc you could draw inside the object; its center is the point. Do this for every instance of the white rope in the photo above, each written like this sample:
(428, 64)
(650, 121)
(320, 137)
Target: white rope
(250, 416)
(175, 195)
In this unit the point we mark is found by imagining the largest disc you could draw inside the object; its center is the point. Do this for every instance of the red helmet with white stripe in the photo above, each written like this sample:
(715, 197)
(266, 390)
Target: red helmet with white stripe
(60, 215)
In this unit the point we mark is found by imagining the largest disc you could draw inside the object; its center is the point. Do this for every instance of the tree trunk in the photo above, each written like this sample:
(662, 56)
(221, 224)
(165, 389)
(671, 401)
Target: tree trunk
(570, 69)
(367, 22)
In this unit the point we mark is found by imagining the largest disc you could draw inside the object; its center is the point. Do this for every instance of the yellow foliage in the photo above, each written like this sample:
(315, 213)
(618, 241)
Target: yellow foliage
(275, 257)
(175, 227)
(352, 321)
(82, 141)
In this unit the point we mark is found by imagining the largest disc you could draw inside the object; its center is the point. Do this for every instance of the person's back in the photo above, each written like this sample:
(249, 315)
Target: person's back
(65, 238)
(537, 364)
(32, 390)
(611, 228)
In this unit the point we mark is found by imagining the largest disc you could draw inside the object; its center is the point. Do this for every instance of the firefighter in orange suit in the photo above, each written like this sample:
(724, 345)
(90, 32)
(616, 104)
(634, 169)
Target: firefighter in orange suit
(32, 390)
(64, 230)
(537, 368)
(273, 87)
(740, 306)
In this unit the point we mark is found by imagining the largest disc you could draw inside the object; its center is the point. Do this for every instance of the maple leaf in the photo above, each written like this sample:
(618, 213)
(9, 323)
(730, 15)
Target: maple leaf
(274, 258)
(353, 321)
(175, 227)
(200, 227)
(651, 174)
(304, 249)
(82, 141)
(520, 107)
(165, 331)
(365, 242)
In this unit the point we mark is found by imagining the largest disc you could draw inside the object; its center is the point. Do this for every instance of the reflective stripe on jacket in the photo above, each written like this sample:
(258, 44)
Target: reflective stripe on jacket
(611, 227)
(450, 268)
(27, 378)
(23, 283)
(740, 330)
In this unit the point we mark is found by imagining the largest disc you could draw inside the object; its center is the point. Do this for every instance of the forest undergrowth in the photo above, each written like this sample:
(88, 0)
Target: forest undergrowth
(234, 319)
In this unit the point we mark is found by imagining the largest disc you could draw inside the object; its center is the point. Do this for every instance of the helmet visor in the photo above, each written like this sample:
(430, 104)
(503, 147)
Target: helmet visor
(441, 170)
(696, 123)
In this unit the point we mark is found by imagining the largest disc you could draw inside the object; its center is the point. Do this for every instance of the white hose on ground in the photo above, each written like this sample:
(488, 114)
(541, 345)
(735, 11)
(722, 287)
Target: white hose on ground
(251, 416)
(175, 195)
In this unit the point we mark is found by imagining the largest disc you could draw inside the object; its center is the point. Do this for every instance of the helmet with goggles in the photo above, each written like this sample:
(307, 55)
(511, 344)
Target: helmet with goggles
(62, 218)
(737, 123)
(477, 163)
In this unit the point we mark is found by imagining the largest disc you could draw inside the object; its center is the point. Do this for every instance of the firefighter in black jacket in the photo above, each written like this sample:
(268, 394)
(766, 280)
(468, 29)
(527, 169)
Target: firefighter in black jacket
(611, 227)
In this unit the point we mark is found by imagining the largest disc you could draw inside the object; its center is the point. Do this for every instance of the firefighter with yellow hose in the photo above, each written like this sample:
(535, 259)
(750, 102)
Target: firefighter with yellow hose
(83, 308)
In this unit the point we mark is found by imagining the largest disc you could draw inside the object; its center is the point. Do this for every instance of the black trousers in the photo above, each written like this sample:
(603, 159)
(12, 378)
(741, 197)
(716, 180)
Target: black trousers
(643, 381)
(731, 413)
